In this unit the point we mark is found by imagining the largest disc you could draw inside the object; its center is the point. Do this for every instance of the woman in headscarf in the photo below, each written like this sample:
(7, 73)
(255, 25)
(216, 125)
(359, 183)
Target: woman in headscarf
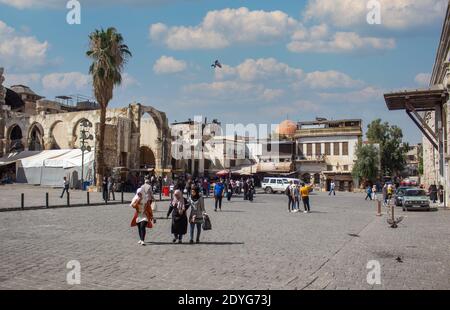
(197, 204)
(178, 208)
(143, 216)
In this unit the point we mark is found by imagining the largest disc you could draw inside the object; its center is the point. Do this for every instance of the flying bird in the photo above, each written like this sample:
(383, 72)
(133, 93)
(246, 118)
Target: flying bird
(216, 64)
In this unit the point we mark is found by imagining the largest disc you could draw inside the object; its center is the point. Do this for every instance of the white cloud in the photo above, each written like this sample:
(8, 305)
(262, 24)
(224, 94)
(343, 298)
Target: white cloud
(166, 65)
(367, 94)
(272, 94)
(66, 81)
(220, 29)
(58, 4)
(330, 79)
(26, 4)
(321, 39)
(395, 14)
(19, 51)
(259, 69)
(30, 79)
(423, 79)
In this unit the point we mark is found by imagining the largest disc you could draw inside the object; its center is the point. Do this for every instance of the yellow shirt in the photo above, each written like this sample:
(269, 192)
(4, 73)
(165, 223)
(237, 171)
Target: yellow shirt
(305, 191)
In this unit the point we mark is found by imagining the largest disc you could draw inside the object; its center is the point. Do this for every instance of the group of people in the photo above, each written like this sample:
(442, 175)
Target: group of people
(295, 193)
(185, 212)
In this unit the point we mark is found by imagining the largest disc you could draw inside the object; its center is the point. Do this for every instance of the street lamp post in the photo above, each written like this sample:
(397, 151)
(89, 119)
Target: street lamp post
(85, 138)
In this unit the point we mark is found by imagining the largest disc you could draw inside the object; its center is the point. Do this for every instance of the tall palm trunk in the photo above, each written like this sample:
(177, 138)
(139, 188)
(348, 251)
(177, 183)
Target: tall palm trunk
(101, 146)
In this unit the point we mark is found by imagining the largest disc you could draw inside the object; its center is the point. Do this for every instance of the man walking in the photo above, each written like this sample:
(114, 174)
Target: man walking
(332, 187)
(65, 187)
(219, 188)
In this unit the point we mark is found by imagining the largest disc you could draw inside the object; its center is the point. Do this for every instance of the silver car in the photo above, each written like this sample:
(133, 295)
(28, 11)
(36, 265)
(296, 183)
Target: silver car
(415, 198)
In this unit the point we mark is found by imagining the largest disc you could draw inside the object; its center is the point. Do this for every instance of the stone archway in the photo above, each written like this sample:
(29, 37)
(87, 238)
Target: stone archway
(35, 137)
(57, 136)
(157, 136)
(146, 157)
(15, 136)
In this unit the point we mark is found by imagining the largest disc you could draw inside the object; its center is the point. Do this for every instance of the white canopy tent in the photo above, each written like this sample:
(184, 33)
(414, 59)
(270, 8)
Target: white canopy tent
(49, 167)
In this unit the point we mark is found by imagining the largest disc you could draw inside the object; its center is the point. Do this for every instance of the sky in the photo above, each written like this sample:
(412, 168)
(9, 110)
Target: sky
(281, 59)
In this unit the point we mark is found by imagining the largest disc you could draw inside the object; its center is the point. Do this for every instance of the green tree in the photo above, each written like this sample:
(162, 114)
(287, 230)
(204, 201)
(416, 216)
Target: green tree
(366, 166)
(109, 55)
(392, 148)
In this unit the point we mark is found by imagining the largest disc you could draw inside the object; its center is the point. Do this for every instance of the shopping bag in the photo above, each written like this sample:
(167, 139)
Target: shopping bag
(206, 222)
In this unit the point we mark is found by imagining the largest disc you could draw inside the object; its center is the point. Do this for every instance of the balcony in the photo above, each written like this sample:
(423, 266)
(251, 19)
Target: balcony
(312, 158)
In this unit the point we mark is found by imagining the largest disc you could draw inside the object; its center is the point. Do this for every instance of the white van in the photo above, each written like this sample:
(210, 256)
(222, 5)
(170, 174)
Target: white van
(276, 184)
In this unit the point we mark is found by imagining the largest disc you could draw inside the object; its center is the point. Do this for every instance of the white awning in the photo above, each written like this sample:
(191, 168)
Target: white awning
(13, 157)
(39, 159)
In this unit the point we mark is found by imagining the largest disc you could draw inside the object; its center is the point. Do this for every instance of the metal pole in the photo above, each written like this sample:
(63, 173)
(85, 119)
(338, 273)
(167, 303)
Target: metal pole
(121, 199)
(82, 165)
(46, 200)
(87, 198)
(378, 207)
(22, 200)
(68, 199)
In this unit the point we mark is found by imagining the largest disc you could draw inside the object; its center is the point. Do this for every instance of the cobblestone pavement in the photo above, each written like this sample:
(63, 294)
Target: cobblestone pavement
(252, 246)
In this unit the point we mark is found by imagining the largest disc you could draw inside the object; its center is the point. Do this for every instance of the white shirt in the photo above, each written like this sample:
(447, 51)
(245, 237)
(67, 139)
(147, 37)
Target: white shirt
(141, 214)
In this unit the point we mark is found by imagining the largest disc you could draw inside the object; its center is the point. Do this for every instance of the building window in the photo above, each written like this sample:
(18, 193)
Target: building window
(329, 168)
(309, 149)
(345, 148)
(345, 167)
(328, 148)
(336, 149)
(318, 149)
(300, 149)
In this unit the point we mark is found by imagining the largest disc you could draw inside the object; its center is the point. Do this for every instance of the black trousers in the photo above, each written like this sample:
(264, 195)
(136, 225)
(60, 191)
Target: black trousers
(306, 203)
(218, 201)
(142, 229)
(65, 189)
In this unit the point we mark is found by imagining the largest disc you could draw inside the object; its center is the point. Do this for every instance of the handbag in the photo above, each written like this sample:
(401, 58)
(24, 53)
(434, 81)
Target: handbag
(206, 222)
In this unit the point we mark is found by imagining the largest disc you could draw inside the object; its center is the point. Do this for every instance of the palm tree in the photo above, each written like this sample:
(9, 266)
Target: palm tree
(109, 55)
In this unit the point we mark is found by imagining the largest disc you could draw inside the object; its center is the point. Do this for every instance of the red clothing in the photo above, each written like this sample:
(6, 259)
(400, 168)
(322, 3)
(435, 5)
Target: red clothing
(148, 212)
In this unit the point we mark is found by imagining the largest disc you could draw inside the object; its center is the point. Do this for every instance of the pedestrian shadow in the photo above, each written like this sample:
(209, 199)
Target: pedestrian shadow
(230, 211)
(319, 212)
(187, 243)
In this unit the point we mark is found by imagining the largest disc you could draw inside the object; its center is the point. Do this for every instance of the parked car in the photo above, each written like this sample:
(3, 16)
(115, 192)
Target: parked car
(399, 193)
(275, 184)
(416, 198)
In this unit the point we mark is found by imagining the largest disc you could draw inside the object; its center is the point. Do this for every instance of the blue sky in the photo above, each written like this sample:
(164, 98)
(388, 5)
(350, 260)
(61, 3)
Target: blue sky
(296, 59)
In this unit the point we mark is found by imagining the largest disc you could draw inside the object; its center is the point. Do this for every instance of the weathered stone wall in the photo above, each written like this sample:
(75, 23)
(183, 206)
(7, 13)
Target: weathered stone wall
(123, 132)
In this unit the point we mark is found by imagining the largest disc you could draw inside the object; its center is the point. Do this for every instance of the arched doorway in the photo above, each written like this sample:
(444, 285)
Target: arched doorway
(58, 136)
(306, 178)
(155, 135)
(317, 178)
(35, 138)
(15, 138)
(146, 157)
